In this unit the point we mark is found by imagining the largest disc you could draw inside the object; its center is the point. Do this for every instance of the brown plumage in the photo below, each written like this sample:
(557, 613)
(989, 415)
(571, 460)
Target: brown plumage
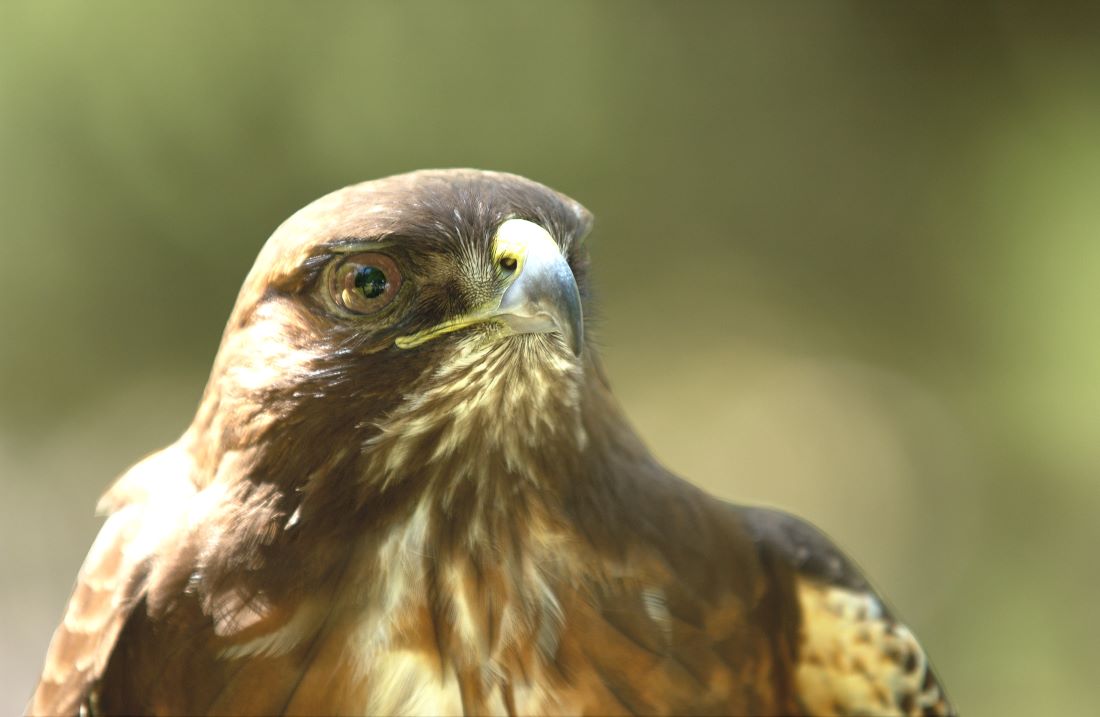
(409, 490)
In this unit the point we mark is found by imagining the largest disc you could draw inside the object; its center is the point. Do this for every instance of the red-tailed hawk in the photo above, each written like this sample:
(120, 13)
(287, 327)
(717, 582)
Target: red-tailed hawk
(409, 490)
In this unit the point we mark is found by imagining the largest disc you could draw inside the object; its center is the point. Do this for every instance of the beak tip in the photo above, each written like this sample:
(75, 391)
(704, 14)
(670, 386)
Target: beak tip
(576, 345)
(570, 317)
(574, 334)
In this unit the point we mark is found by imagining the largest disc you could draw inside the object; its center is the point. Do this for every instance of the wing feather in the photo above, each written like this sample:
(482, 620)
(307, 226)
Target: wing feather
(111, 582)
(853, 656)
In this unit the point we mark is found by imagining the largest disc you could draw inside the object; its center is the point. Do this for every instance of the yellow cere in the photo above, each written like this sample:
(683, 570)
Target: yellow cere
(515, 238)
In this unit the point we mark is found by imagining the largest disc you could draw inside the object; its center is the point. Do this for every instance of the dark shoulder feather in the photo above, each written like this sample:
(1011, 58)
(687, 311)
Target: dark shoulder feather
(802, 546)
(854, 656)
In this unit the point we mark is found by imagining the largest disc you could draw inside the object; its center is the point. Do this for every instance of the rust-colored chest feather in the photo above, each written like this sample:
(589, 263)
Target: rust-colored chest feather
(493, 580)
(406, 632)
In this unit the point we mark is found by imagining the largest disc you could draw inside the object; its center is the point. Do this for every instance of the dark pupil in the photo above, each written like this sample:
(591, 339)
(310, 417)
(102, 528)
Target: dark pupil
(371, 281)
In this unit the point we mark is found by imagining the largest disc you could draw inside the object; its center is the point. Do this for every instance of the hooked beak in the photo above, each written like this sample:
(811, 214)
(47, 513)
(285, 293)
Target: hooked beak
(542, 295)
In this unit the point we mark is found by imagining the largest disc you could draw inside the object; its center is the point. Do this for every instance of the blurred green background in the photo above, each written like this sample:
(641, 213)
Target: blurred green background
(847, 253)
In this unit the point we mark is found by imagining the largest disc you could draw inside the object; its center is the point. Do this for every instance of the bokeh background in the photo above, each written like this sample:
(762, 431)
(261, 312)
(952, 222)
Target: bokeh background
(847, 254)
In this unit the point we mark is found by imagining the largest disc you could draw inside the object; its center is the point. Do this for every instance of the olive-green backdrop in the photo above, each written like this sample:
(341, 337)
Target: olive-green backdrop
(848, 258)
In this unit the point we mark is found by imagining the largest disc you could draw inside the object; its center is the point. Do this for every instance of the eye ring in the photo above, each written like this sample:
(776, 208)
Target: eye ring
(365, 283)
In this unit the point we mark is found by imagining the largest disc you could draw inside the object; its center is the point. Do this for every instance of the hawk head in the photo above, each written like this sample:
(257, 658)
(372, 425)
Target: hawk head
(415, 338)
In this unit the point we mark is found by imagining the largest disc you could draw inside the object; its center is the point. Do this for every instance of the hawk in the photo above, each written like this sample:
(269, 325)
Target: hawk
(409, 489)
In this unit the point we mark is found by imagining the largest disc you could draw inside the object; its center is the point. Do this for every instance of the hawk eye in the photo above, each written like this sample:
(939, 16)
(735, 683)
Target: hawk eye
(365, 283)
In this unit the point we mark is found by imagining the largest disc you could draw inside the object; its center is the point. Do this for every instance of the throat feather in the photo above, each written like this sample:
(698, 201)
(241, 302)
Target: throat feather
(483, 445)
(507, 410)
